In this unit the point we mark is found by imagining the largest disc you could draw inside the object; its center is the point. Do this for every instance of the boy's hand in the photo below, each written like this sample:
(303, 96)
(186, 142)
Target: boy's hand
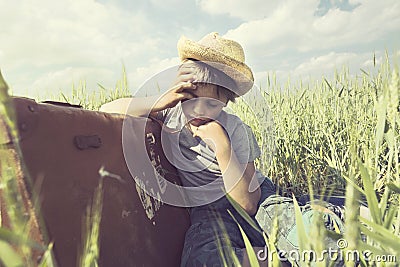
(214, 135)
(178, 91)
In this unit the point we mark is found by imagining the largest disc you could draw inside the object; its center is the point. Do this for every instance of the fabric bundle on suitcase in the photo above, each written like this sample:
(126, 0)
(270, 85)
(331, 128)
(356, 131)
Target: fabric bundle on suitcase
(63, 149)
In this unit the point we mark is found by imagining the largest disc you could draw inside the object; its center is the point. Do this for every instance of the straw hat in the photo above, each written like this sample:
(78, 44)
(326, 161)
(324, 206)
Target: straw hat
(223, 54)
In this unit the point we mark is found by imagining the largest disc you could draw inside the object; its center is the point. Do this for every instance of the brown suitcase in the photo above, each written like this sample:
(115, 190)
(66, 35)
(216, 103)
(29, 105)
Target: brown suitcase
(63, 149)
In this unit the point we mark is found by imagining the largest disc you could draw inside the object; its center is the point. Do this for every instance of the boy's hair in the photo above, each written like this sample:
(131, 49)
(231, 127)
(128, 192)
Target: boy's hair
(208, 75)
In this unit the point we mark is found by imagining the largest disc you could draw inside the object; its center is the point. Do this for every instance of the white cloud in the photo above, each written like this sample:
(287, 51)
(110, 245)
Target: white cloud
(51, 44)
(167, 3)
(286, 26)
(142, 80)
(354, 2)
(67, 33)
(293, 25)
(333, 22)
(45, 33)
(63, 80)
(246, 10)
(316, 67)
(369, 63)
(324, 63)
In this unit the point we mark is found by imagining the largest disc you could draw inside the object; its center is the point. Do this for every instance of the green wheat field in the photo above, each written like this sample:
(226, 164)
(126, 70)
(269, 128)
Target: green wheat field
(336, 136)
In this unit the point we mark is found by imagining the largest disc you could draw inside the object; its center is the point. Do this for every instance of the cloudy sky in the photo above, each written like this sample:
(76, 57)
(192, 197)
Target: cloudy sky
(47, 45)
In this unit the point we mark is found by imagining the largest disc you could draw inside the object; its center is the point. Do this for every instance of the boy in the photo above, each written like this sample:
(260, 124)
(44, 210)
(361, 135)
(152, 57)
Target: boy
(213, 151)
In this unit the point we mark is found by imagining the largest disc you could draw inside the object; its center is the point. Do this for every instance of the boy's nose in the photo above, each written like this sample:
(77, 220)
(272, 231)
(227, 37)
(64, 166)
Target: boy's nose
(199, 107)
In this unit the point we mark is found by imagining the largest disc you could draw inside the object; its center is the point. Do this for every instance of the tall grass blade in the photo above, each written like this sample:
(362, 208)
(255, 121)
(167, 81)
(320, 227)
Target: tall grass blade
(393, 187)
(18, 240)
(91, 249)
(381, 234)
(225, 250)
(47, 259)
(243, 213)
(249, 248)
(390, 216)
(8, 256)
(381, 110)
(304, 243)
(370, 194)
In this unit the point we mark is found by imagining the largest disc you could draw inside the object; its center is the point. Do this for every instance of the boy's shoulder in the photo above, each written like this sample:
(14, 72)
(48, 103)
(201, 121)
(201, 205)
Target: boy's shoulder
(229, 119)
(233, 124)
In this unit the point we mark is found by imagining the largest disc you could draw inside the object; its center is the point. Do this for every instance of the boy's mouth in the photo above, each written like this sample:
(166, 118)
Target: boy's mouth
(198, 121)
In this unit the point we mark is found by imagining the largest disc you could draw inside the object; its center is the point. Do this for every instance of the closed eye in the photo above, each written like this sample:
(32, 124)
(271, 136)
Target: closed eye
(211, 102)
(212, 105)
(215, 103)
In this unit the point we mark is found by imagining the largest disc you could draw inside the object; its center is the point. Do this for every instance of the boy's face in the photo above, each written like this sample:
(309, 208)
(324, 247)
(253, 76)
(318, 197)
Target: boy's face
(205, 105)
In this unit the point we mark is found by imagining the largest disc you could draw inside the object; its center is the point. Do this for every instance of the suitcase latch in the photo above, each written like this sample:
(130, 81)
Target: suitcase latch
(83, 142)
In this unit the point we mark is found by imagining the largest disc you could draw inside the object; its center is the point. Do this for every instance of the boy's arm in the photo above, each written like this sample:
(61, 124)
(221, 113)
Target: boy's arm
(134, 106)
(237, 177)
(143, 106)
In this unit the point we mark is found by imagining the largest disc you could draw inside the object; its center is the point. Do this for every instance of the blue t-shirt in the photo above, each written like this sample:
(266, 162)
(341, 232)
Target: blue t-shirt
(196, 163)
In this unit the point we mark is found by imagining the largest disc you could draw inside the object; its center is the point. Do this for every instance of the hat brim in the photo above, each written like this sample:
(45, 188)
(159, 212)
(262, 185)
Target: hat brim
(238, 71)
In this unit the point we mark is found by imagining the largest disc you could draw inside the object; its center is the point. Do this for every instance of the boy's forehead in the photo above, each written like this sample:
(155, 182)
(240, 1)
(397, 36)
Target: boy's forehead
(209, 91)
(206, 90)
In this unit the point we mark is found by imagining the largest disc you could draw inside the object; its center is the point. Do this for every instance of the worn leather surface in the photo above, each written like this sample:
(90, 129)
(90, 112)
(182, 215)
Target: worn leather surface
(135, 230)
